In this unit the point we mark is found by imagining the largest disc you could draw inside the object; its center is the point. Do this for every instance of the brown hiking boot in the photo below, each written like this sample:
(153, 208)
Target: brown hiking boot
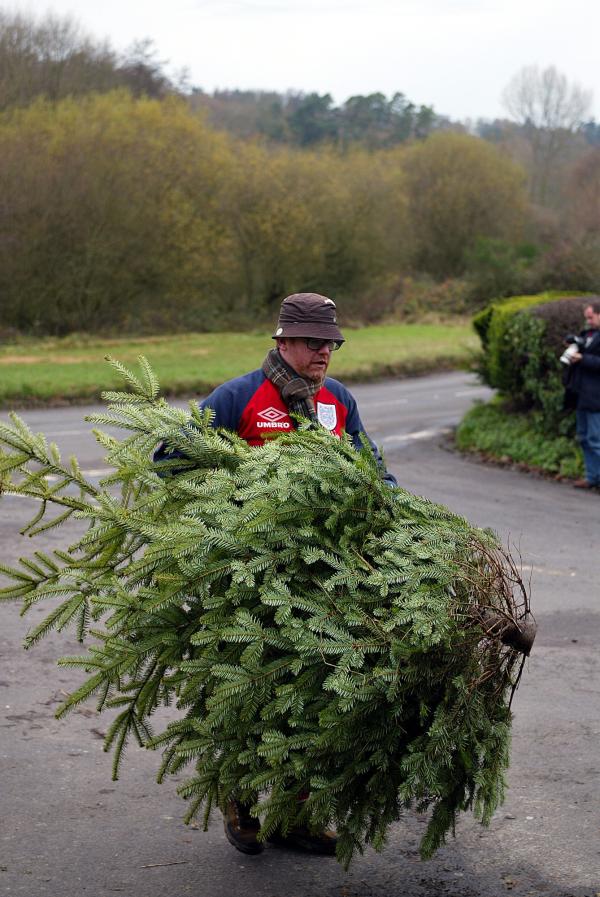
(241, 828)
(301, 838)
(582, 484)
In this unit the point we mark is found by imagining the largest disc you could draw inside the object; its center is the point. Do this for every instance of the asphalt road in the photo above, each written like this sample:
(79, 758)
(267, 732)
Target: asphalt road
(66, 829)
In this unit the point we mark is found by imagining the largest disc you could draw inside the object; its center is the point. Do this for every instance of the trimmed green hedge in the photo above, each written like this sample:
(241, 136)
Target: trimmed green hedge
(522, 338)
(498, 327)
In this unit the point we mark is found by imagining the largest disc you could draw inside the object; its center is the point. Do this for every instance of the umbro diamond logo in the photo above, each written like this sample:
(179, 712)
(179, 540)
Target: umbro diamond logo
(272, 414)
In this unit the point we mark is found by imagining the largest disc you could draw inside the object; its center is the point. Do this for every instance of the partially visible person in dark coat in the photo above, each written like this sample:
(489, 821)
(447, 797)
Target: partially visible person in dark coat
(584, 384)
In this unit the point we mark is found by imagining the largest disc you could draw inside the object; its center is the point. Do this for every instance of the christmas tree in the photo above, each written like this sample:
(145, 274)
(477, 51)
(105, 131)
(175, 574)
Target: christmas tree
(313, 629)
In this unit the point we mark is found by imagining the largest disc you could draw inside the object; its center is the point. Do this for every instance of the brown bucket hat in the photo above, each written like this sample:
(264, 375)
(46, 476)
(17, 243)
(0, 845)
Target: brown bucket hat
(308, 315)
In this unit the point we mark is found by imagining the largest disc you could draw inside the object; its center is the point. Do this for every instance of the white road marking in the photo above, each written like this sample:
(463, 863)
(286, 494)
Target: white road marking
(52, 478)
(410, 437)
(389, 402)
(474, 391)
(533, 569)
(53, 433)
(92, 472)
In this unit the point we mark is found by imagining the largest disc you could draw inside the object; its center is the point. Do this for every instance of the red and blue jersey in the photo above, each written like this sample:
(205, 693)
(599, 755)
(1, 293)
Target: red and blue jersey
(252, 407)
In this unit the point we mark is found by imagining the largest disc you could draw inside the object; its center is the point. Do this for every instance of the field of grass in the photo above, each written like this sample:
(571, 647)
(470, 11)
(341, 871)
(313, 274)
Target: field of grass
(73, 369)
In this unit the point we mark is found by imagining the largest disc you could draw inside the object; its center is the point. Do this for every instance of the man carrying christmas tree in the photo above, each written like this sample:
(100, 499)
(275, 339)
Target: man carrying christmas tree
(259, 406)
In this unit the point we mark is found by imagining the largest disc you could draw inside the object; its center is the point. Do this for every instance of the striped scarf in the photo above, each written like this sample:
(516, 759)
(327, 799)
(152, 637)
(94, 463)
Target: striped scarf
(297, 393)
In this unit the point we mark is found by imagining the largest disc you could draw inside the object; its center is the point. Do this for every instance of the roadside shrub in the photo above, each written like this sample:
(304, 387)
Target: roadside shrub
(503, 349)
(542, 375)
(522, 338)
(500, 365)
(560, 317)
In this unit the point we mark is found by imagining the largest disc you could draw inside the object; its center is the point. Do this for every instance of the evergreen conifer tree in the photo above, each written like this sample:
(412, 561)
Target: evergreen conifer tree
(313, 628)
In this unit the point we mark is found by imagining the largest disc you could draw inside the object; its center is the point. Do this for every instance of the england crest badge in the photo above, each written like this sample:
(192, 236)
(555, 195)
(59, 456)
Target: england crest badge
(327, 415)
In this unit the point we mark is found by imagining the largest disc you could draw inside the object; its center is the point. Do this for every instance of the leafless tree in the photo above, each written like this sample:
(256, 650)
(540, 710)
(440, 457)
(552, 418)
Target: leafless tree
(550, 110)
(52, 57)
(545, 99)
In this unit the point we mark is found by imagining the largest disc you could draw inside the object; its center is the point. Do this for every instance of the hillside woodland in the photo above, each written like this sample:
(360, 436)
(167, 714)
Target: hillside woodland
(133, 201)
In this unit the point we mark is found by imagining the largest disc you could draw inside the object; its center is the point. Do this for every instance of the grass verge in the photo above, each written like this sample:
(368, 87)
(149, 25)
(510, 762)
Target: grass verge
(73, 369)
(517, 438)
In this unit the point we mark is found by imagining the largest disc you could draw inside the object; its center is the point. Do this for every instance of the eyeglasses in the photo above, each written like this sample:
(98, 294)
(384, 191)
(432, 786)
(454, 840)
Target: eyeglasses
(315, 345)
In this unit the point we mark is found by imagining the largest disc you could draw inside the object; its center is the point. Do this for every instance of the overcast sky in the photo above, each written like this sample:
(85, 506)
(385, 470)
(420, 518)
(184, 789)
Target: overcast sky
(456, 55)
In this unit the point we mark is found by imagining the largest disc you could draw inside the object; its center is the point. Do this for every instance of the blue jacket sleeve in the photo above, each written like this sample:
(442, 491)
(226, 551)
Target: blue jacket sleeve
(227, 407)
(225, 416)
(228, 402)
